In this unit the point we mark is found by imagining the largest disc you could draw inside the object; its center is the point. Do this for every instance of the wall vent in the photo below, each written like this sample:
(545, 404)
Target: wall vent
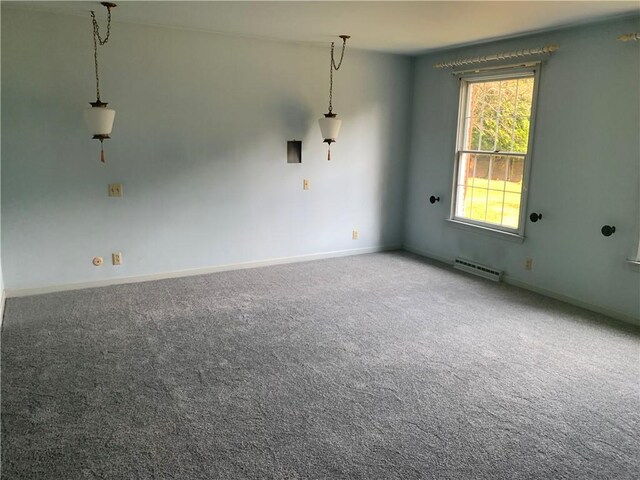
(477, 269)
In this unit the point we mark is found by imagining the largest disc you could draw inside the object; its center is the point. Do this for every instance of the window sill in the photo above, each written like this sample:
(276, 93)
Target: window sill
(470, 227)
(634, 264)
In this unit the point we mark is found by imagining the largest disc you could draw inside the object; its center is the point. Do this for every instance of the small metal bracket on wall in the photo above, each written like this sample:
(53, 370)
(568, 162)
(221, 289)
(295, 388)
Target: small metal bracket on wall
(294, 151)
(608, 230)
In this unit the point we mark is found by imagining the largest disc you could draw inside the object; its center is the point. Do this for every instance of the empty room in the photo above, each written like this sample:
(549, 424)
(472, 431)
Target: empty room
(313, 240)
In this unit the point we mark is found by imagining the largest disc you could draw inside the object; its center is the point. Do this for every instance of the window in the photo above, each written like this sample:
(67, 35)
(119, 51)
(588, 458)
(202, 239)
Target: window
(492, 157)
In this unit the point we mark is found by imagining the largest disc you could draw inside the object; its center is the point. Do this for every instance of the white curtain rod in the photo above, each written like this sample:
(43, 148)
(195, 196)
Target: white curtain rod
(499, 56)
(627, 37)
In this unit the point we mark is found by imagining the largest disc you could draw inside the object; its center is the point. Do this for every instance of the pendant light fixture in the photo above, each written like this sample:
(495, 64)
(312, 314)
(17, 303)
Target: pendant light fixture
(330, 125)
(99, 118)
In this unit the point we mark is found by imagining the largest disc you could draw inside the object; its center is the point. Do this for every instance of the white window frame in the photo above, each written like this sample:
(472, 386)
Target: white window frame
(465, 81)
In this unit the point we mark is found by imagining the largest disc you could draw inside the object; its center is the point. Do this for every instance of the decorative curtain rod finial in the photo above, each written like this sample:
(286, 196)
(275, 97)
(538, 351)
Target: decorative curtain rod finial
(628, 37)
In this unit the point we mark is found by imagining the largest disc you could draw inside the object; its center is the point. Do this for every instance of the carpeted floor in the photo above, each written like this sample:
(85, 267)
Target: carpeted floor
(381, 366)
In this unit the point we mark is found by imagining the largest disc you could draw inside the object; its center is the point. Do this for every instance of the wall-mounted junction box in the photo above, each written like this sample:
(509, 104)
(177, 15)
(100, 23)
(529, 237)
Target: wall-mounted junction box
(294, 151)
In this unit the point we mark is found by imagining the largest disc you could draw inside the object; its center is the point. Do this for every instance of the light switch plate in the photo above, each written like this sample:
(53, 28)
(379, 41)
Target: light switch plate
(305, 184)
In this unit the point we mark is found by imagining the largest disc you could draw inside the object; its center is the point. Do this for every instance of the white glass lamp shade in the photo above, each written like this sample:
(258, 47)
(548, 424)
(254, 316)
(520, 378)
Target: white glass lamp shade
(99, 120)
(330, 126)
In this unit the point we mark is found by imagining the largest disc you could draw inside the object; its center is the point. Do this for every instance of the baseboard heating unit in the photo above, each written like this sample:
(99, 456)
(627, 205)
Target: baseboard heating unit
(477, 269)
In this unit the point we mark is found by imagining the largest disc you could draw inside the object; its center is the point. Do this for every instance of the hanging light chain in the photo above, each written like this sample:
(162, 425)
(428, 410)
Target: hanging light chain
(96, 27)
(331, 80)
(333, 60)
(97, 39)
(333, 66)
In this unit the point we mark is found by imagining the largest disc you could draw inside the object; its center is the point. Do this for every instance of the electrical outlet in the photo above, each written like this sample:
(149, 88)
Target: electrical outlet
(97, 261)
(116, 258)
(115, 190)
(528, 263)
(354, 235)
(305, 184)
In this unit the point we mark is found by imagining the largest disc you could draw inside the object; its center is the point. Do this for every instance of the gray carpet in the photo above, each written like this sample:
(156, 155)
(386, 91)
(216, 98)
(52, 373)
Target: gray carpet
(381, 366)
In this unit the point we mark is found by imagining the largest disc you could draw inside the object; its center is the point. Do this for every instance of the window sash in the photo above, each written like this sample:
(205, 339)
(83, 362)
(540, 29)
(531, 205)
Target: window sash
(489, 188)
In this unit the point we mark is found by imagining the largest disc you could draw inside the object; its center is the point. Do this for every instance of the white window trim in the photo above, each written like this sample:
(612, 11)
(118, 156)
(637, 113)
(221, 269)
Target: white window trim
(495, 230)
(484, 230)
(635, 259)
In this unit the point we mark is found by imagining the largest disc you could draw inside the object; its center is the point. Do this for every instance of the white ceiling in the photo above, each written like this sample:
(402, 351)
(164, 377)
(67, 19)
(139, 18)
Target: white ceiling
(391, 26)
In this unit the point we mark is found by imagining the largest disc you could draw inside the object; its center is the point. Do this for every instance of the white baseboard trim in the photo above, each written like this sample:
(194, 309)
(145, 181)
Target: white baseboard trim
(23, 292)
(542, 291)
(3, 298)
(573, 301)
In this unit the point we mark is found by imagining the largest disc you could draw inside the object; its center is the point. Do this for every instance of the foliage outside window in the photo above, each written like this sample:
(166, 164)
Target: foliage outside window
(493, 150)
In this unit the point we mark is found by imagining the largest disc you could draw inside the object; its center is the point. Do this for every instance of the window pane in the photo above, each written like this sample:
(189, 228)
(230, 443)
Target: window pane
(525, 97)
(497, 115)
(515, 170)
(482, 133)
(508, 94)
(465, 169)
(511, 213)
(498, 173)
(490, 130)
(477, 100)
(481, 172)
(506, 134)
(495, 207)
(476, 206)
(475, 133)
(491, 97)
(489, 189)
(520, 134)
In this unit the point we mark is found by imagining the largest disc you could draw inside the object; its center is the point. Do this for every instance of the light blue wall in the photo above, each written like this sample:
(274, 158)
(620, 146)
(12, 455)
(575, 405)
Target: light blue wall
(585, 168)
(1, 275)
(199, 143)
